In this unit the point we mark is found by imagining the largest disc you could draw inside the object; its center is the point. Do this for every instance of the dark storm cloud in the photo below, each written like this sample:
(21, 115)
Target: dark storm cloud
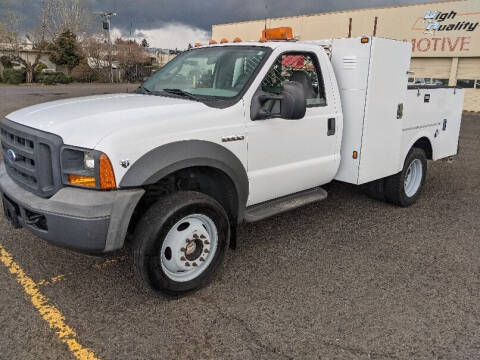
(150, 14)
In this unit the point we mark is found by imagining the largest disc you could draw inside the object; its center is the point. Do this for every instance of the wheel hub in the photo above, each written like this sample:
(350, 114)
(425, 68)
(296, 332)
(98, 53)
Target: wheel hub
(413, 178)
(194, 249)
(188, 247)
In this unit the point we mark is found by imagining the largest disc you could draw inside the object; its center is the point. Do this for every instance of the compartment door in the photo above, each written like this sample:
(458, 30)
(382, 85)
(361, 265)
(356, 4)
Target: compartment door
(381, 149)
(446, 143)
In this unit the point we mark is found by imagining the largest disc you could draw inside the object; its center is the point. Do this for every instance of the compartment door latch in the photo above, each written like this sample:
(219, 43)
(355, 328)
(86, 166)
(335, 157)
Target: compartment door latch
(400, 111)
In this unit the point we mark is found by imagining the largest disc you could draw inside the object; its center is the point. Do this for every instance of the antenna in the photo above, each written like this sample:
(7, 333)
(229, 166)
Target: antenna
(266, 13)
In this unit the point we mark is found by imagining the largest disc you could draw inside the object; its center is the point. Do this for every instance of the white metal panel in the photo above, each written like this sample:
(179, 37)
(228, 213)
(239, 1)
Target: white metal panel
(127, 126)
(350, 59)
(425, 119)
(380, 155)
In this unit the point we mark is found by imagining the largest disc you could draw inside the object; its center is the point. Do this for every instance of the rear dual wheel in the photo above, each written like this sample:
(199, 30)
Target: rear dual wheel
(180, 242)
(404, 188)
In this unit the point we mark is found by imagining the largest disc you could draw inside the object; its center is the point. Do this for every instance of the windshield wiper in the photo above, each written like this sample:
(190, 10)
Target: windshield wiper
(143, 90)
(182, 93)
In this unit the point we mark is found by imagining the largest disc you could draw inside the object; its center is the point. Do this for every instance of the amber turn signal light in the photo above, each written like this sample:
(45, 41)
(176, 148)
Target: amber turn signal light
(355, 155)
(106, 174)
(79, 180)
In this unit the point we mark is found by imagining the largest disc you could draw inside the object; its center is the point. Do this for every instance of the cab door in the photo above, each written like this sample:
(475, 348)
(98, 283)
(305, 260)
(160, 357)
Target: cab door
(288, 156)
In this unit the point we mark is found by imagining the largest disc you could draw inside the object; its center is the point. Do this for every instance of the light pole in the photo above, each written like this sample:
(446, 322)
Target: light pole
(106, 26)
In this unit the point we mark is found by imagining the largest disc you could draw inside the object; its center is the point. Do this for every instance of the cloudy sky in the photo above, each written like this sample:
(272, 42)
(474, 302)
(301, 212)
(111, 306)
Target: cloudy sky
(175, 23)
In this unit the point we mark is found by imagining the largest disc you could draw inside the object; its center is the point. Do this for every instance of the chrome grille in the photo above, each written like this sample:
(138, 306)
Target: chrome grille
(31, 157)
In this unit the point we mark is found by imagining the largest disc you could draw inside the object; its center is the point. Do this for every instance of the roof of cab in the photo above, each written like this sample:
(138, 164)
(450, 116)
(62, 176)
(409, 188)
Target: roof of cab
(270, 44)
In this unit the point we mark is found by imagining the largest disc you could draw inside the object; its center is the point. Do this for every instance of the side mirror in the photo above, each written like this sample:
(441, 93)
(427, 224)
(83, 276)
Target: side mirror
(289, 104)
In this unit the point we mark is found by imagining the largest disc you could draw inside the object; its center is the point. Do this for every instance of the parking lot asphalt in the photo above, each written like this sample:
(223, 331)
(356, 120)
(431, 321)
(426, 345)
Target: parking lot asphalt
(347, 278)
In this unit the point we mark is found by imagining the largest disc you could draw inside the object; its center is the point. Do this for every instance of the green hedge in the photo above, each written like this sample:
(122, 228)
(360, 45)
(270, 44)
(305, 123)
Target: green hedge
(54, 78)
(11, 76)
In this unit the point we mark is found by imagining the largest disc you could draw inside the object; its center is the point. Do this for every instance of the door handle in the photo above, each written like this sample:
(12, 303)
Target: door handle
(331, 127)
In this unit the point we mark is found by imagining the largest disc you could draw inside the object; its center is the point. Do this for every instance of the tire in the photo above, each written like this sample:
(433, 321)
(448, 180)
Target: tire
(375, 189)
(402, 190)
(180, 243)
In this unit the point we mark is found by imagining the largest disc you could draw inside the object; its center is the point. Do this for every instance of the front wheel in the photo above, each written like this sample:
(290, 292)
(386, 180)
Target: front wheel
(404, 188)
(180, 242)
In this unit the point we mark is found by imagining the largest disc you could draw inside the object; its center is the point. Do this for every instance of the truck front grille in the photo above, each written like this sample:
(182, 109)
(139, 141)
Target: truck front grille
(31, 157)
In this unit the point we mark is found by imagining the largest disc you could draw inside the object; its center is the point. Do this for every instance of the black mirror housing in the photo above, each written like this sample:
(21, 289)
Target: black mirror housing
(294, 104)
(290, 104)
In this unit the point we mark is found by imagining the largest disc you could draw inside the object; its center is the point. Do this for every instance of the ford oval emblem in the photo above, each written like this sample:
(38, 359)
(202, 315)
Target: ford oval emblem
(11, 155)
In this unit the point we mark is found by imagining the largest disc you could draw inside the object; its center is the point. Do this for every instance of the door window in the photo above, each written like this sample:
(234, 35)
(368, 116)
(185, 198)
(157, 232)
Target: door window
(300, 67)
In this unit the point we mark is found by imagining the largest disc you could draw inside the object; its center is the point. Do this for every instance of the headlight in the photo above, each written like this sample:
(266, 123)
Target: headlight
(87, 168)
(89, 161)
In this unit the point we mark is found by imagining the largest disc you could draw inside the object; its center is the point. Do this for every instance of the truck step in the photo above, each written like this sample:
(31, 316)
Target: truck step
(277, 206)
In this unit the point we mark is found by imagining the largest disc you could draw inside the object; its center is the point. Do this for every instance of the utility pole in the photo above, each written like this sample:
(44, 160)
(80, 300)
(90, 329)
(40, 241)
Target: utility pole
(106, 27)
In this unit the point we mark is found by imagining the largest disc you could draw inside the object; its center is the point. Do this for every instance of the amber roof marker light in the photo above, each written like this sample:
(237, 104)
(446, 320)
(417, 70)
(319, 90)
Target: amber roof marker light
(280, 33)
(364, 40)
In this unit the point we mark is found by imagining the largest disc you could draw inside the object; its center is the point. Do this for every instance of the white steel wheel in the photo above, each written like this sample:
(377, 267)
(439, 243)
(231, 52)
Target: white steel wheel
(189, 247)
(405, 187)
(413, 178)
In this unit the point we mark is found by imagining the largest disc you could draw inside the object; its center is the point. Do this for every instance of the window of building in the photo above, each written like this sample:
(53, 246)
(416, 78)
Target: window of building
(466, 83)
(300, 67)
(440, 82)
(422, 81)
(478, 84)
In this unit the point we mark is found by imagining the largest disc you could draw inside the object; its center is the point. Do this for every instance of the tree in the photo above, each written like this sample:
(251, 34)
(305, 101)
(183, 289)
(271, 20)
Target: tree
(145, 43)
(132, 58)
(56, 16)
(62, 15)
(95, 52)
(26, 50)
(65, 50)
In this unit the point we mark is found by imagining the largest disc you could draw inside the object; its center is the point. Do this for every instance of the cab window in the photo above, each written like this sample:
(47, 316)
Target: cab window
(300, 67)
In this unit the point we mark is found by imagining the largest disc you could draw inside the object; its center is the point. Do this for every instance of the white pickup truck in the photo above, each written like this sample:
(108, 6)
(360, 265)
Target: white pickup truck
(222, 135)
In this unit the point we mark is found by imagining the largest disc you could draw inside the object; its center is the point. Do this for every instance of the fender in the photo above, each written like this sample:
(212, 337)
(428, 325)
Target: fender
(168, 158)
(422, 134)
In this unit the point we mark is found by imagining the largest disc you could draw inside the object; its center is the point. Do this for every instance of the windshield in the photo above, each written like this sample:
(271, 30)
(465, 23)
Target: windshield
(219, 72)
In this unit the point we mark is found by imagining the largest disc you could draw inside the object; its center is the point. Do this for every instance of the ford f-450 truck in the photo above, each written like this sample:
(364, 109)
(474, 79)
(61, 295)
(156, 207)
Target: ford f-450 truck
(222, 135)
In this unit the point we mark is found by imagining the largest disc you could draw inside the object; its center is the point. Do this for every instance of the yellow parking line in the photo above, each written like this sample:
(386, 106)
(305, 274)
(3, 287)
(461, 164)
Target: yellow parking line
(49, 313)
(109, 262)
(61, 277)
(51, 281)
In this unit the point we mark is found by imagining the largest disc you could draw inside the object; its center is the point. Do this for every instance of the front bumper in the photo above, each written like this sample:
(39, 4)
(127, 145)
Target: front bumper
(80, 219)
